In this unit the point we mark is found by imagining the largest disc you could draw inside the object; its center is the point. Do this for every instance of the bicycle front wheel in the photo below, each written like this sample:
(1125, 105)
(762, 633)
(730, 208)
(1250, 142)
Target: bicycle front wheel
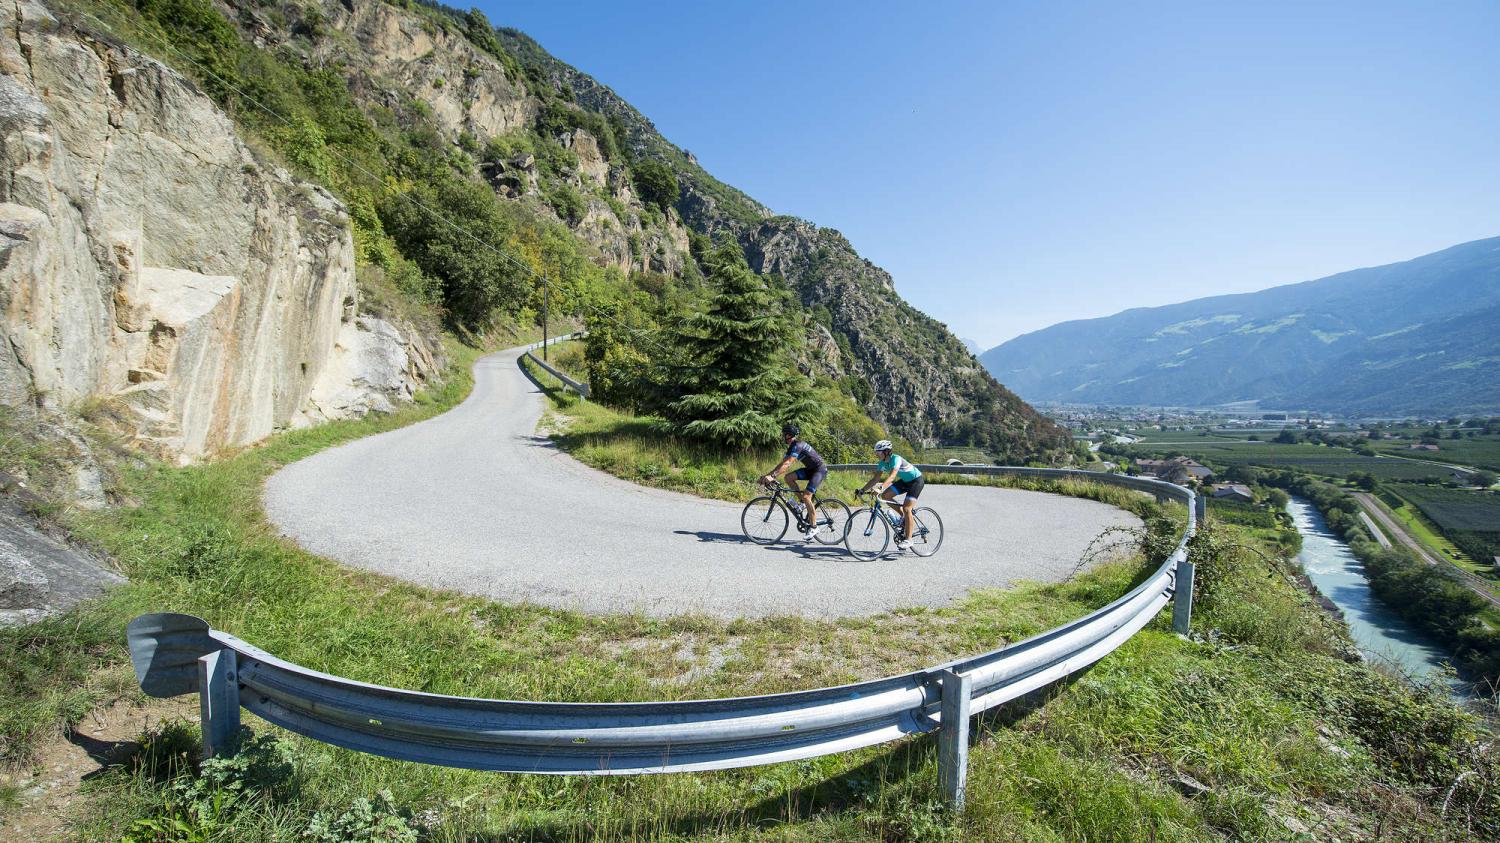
(928, 528)
(833, 516)
(867, 535)
(764, 520)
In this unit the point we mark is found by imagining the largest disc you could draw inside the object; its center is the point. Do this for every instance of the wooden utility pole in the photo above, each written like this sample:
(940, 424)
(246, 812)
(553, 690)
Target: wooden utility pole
(546, 305)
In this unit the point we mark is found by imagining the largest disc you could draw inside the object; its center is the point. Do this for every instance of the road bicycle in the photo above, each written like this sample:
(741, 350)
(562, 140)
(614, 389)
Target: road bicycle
(766, 518)
(868, 533)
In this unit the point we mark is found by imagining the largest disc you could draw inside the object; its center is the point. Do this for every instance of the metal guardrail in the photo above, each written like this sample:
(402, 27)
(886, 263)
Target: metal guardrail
(176, 654)
(577, 386)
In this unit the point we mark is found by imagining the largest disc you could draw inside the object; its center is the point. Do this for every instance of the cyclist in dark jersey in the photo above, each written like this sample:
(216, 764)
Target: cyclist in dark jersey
(812, 472)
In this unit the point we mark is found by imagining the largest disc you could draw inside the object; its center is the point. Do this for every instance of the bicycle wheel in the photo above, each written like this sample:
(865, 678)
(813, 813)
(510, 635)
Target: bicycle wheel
(764, 520)
(833, 515)
(866, 535)
(929, 531)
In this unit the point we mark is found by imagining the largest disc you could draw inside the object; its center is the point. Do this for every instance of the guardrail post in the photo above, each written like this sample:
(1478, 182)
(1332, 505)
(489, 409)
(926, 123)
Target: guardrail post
(953, 737)
(1182, 599)
(1200, 506)
(218, 700)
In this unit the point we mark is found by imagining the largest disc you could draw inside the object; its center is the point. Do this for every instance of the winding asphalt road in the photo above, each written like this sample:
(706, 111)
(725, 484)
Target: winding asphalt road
(476, 501)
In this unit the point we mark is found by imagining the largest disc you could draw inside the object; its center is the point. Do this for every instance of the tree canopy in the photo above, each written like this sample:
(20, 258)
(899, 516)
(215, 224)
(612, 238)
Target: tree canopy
(738, 384)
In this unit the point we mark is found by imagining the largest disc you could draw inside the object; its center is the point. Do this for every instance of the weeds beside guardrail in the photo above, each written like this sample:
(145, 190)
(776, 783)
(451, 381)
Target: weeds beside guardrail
(176, 654)
(578, 386)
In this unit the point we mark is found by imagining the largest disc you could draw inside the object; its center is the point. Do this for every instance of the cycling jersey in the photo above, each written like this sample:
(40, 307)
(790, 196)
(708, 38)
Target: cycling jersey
(804, 452)
(905, 471)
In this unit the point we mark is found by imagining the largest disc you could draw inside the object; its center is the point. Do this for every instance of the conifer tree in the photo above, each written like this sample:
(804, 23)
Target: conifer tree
(738, 385)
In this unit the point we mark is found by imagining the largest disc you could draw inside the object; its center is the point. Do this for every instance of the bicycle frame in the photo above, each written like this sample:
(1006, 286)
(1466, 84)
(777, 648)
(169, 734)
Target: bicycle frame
(878, 506)
(778, 492)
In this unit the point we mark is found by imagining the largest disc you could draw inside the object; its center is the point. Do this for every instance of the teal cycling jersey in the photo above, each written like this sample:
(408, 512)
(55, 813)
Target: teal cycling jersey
(904, 470)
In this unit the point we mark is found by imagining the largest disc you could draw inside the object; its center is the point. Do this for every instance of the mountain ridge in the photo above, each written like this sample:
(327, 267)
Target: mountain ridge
(1290, 344)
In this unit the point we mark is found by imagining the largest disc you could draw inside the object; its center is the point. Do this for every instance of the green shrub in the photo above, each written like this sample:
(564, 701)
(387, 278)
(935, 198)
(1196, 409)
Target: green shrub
(567, 202)
(476, 280)
(655, 182)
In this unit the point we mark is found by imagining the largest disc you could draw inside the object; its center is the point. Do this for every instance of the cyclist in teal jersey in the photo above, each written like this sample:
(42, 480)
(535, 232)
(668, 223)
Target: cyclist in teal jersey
(900, 478)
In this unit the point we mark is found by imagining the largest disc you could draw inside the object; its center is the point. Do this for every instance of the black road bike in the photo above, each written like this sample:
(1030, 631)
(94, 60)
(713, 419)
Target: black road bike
(766, 518)
(869, 529)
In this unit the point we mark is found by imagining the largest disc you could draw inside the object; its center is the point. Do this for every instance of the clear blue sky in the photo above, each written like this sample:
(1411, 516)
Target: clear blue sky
(1019, 164)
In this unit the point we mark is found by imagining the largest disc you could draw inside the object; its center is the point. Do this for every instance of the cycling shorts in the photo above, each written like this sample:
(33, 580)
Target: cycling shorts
(911, 488)
(812, 479)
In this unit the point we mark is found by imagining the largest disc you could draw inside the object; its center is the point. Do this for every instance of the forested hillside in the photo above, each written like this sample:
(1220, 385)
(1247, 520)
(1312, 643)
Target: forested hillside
(421, 116)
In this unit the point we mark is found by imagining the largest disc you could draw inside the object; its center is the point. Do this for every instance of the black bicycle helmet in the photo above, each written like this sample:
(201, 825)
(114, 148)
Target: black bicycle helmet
(791, 429)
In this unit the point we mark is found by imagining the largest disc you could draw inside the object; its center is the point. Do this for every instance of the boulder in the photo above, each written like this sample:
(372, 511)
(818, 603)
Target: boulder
(40, 575)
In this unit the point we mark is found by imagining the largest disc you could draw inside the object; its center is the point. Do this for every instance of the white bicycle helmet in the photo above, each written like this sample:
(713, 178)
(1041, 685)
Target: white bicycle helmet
(884, 445)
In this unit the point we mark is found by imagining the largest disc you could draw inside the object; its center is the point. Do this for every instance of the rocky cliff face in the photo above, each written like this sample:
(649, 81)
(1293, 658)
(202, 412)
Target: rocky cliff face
(218, 302)
(149, 258)
(389, 55)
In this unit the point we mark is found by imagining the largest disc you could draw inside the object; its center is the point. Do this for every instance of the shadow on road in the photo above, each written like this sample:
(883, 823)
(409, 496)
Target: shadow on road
(807, 551)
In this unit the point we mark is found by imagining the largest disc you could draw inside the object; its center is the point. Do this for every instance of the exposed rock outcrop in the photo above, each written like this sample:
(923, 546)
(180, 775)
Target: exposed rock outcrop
(148, 257)
(404, 55)
(389, 55)
(375, 366)
(40, 575)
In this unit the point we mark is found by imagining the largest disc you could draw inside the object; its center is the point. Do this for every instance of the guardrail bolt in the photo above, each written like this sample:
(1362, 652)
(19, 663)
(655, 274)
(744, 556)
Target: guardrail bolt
(953, 737)
(1182, 599)
(218, 701)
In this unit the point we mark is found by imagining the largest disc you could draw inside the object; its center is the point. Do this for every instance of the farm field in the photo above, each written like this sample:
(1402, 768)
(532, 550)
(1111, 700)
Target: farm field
(1314, 459)
(1479, 451)
(1454, 509)
(1429, 513)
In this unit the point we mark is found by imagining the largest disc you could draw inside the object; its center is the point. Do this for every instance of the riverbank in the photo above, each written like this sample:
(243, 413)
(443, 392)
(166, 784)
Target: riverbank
(1381, 634)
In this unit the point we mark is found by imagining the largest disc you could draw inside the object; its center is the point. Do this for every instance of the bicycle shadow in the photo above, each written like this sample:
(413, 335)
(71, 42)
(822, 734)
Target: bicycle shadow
(806, 551)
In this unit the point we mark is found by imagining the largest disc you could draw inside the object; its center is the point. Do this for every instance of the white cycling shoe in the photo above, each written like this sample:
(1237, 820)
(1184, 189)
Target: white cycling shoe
(903, 544)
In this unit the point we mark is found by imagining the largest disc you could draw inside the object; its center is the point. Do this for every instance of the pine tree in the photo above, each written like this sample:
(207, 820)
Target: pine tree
(739, 386)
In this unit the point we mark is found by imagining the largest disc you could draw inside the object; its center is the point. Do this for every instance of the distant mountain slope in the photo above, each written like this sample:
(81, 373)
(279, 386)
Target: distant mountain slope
(1412, 337)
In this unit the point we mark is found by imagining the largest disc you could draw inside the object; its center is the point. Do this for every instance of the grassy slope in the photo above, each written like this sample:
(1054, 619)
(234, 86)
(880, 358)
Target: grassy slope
(1253, 722)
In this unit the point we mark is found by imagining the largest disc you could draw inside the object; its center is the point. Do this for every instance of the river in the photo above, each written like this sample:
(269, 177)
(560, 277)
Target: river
(1380, 633)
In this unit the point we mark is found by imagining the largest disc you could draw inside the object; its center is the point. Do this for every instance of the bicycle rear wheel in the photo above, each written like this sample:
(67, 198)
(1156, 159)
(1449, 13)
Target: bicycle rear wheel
(866, 535)
(833, 515)
(764, 520)
(929, 531)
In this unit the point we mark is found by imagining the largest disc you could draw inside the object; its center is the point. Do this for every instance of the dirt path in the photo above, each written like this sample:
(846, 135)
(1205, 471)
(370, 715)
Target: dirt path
(47, 800)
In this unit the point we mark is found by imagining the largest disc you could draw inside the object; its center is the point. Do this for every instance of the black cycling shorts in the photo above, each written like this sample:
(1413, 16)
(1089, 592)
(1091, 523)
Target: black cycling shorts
(812, 482)
(911, 488)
